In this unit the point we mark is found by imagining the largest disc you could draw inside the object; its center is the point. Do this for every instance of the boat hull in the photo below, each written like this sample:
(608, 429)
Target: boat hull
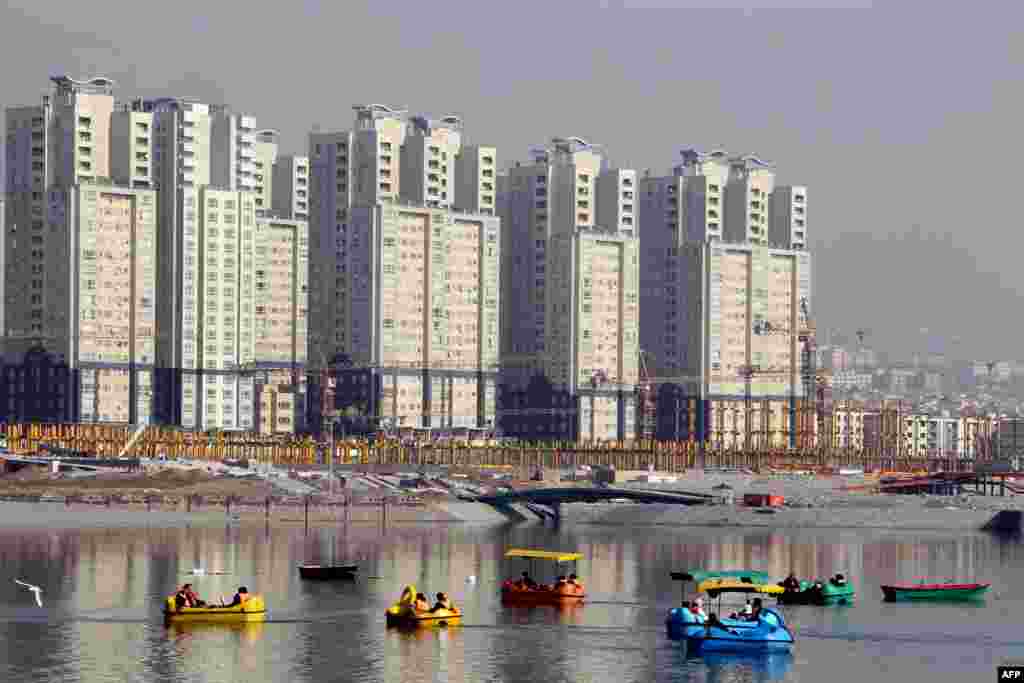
(767, 635)
(830, 594)
(934, 592)
(253, 610)
(514, 595)
(328, 573)
(440, 618)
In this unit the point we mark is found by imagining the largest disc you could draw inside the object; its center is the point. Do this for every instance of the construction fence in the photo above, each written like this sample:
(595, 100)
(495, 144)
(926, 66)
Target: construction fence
(106, 441)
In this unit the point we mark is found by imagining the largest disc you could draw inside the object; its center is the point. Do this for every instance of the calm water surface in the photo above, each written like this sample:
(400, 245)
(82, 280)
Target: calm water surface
(102, 593)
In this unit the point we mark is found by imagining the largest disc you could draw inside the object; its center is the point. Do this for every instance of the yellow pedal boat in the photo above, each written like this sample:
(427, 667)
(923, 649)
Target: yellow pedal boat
(254, 609)
(402, 614)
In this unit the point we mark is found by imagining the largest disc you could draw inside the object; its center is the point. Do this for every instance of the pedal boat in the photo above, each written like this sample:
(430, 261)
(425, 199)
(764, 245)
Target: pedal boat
(254, 609)
(401, 612)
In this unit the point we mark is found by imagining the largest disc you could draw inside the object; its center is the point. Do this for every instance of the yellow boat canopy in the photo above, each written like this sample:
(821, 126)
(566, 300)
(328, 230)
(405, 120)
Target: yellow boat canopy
(543, 555)
(728, 585)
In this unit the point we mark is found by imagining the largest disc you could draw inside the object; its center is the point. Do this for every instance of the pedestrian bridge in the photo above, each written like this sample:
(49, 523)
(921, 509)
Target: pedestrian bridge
(557, 496)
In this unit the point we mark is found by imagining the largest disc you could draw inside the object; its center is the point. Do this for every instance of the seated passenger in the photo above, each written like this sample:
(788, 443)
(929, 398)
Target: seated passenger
(575, 582)
(755, 612)
(193, 597)
(561, 583)
(241, 597)
(839, 580)
(442, 603)
(698, 608)
(421, 604)
(791, 583)
(181, 599)
(527, 581)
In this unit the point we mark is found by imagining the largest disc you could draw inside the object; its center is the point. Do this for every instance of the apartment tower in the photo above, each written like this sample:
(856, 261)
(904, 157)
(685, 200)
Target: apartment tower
(404, 283)
(725, 291)
(570, 226)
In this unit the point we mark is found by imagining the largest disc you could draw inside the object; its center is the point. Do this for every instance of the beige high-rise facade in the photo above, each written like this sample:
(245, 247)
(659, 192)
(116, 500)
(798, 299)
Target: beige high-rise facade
(556, 211)
(217, 315)
(422, 315)
(281, 322)
(110, 296)
(725, 291)
(592, 343)
(100, 287)
(57, 144)
(421, 167)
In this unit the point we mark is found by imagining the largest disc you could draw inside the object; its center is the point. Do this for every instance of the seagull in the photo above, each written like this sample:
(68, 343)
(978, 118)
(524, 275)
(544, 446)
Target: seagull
(35, 589)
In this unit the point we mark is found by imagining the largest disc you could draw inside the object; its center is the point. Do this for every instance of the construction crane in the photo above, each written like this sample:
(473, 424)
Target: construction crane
(646, 400)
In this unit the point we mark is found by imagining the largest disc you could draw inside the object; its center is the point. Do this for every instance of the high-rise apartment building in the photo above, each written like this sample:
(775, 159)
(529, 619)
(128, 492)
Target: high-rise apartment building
(291, 188)
(592, 341)
(281, 319)
(560, 213)
(388, 157)
(104, 311)
(421, 318)
(59, 143)
(217, 314)
(96, 273)
(182, 156)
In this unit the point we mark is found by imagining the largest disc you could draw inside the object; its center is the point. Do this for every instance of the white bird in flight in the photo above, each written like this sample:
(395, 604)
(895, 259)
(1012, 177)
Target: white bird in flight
(35, 589)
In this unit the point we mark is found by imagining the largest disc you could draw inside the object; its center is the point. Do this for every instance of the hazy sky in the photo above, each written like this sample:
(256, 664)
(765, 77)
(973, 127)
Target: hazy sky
(904, 119)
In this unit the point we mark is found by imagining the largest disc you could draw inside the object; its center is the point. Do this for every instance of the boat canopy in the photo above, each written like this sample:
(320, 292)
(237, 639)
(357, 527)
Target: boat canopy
(700, 575)
(716, 586)
(543, 555)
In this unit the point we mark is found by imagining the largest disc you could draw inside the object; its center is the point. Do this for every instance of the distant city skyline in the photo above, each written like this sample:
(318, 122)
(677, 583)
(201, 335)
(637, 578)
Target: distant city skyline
(874, 130)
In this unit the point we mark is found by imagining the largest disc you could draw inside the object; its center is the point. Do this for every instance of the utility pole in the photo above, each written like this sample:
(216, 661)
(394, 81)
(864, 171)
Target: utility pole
(330, 459)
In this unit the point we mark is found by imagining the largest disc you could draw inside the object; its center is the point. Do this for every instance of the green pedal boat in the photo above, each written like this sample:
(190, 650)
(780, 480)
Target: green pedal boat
(819, 593)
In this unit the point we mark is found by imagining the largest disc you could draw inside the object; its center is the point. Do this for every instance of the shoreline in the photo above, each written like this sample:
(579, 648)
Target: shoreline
(175, 500)
(908, 516)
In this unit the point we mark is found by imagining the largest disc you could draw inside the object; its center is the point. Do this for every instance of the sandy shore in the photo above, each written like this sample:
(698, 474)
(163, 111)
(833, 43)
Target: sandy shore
(818, 502)
(822, 502)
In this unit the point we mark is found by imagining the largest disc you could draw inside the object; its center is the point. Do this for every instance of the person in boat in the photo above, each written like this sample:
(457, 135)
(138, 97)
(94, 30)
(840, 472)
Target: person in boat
(697, 607)
(755, 610)
(181, 599)
(186, 597)
(526, 581)
(442, 603)
(575, 582)
(838, 580)
(745, 613)
(240, 598)
(791, 584)
(421, 604)
(561, 583)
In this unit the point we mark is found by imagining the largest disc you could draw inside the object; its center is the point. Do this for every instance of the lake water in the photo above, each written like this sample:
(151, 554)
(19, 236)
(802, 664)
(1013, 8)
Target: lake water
(103, 590)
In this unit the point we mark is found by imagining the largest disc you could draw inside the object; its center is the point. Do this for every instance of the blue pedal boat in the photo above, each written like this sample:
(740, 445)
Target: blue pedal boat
(767, 634)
